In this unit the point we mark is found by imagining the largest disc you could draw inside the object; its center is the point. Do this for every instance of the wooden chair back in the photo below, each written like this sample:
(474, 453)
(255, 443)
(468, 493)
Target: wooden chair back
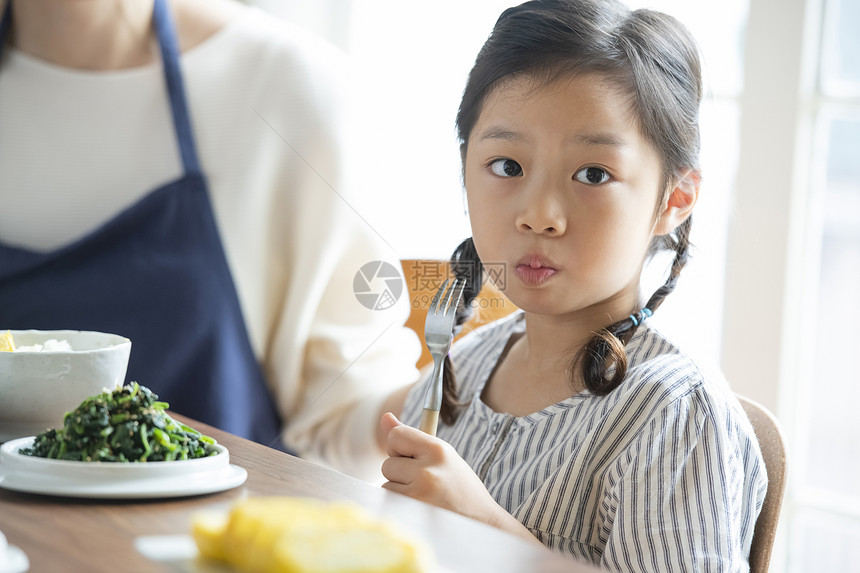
(423, 278)
(773, 451)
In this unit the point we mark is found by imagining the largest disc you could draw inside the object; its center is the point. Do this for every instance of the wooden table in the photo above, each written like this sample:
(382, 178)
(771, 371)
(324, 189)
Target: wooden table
(71, 535)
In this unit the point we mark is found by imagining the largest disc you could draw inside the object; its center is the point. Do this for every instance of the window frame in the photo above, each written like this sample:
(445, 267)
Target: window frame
(775, 236)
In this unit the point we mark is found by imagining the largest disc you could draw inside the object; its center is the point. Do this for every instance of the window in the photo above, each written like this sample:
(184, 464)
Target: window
(794, 265)
(824, 515)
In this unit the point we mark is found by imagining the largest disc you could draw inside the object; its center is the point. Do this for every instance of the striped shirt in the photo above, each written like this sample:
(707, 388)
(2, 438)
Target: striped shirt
(662, 474)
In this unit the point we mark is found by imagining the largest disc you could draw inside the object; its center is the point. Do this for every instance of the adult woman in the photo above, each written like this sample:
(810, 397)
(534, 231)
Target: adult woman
(234, 280)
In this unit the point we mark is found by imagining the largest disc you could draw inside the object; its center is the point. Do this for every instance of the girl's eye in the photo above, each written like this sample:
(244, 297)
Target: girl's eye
(506, 168)
(591, 176)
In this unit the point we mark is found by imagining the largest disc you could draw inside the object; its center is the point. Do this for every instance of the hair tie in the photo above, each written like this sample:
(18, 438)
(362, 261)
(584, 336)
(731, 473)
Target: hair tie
(644, 313)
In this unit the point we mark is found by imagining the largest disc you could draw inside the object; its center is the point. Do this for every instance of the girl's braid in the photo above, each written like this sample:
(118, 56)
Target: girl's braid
(602, 362)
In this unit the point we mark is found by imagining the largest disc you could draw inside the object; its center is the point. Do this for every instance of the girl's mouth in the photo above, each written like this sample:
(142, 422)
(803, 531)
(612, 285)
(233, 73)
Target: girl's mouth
(535, 270)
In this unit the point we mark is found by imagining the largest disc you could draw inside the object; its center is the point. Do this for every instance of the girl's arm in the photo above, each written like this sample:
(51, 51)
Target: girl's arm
(689, 493)
(427, 468)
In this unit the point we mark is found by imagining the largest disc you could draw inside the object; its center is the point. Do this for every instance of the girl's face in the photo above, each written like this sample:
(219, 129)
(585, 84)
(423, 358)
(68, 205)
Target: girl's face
(562, 189)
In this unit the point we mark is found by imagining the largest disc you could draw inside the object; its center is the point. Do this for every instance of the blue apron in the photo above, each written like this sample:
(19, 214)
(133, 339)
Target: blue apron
(156, 274)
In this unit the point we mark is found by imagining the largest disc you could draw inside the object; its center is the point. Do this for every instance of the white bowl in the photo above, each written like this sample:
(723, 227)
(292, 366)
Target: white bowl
(37, 388)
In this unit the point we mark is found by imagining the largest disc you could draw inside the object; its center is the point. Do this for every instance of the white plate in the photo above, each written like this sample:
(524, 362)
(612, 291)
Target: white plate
(115, 479)
(180, 553)
(16, 561)
(12, 559)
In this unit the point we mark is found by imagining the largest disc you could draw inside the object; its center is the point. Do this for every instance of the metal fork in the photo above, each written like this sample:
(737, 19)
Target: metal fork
(438, 334)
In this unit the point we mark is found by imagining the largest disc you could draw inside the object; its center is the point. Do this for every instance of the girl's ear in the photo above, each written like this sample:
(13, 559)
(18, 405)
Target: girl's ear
(679, 203)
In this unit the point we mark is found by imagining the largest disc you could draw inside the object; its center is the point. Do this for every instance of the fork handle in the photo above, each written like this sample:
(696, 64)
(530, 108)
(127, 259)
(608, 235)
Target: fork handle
(429, 421)
(433, 400)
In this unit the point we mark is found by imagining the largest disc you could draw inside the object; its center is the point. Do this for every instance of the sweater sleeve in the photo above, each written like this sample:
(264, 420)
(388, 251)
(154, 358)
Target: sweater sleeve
(680, 501)
(330, 359)
(353, 357)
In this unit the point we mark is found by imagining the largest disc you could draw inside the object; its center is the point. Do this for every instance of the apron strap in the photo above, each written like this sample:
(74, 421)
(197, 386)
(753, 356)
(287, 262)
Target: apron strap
(166, 33)
(5, 23)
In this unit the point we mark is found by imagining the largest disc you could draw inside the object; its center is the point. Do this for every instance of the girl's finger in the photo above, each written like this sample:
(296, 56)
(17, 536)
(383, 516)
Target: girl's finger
(396, 487)
(399, 470)
(405, 441)
(389, 421)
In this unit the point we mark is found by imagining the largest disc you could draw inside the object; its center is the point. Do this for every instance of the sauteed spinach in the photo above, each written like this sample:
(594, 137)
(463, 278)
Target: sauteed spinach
(128, 424)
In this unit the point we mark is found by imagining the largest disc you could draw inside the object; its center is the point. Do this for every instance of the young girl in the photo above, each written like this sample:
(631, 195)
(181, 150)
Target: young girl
(574, 422)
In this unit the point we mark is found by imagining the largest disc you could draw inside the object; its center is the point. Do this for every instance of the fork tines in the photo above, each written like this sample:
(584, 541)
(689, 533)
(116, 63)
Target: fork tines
(454, 293)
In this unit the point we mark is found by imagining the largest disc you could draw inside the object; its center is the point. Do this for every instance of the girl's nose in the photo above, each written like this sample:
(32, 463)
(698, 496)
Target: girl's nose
(542, 212)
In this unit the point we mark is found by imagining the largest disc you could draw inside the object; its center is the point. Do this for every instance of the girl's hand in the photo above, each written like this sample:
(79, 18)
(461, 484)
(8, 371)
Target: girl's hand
(427, 468)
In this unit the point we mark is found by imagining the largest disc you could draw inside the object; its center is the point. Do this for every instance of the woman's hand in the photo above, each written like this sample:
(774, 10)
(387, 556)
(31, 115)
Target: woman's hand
(429, 469)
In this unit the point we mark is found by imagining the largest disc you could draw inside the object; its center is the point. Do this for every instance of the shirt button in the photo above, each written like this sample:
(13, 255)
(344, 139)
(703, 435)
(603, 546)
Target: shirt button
(495, 428)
